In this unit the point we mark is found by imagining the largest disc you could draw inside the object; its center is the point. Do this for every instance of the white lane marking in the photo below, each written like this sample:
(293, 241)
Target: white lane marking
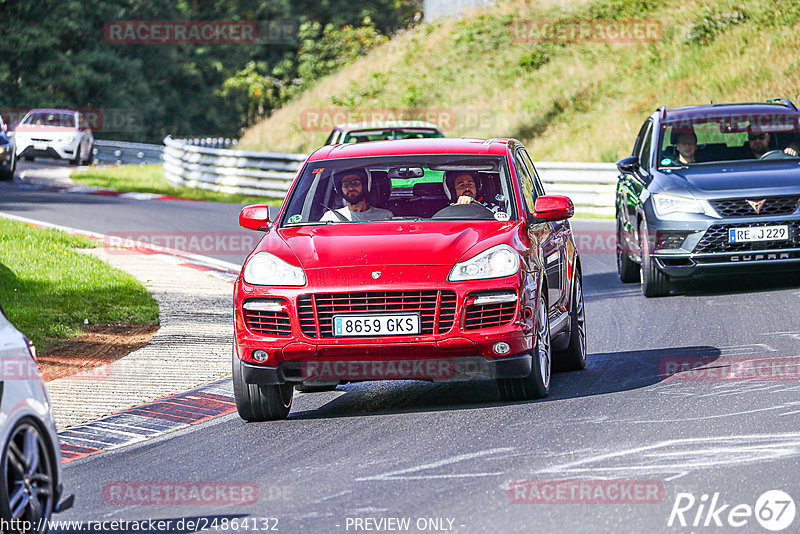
(704, 417)
(684, 455)
(398, 475)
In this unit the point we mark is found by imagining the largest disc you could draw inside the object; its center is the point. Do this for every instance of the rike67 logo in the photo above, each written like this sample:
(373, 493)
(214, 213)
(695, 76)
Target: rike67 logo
(774, 510)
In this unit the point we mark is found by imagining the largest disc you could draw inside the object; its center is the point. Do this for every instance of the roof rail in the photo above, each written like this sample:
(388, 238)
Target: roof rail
(784, 101)
(663, 111)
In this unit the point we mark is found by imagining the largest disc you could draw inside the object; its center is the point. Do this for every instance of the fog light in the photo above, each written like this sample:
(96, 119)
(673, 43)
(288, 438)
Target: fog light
(501, 348)
(260, 355)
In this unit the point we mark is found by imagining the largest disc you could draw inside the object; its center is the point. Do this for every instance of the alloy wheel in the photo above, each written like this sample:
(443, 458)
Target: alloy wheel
(28, 475)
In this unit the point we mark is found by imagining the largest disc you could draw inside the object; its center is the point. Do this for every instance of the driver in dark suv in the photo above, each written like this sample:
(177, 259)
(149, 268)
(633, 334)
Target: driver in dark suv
(758, 144)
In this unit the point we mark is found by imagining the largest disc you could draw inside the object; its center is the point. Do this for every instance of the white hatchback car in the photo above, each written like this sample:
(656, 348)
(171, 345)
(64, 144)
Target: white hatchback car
(54, 133)
(30, 463)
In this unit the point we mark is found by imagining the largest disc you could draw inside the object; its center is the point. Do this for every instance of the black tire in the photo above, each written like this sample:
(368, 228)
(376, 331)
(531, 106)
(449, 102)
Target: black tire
(89, 155)
(306, 388)
(260, 402)
(6, 173)
(537, 384)
(627, 269)
(77, 159)
(28, 489)
(573, 358)
(654, 282)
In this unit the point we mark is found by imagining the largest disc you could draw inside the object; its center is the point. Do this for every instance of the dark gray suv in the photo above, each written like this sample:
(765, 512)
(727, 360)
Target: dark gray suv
(710, 190)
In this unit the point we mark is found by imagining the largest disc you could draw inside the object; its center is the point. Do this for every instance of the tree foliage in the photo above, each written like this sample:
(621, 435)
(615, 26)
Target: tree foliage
(54, 54)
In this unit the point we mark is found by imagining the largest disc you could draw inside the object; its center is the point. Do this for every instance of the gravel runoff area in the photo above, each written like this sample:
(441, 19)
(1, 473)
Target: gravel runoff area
(191, 347)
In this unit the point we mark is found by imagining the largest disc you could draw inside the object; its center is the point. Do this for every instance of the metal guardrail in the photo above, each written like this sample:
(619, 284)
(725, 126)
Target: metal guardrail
(121, 152)
(591, 186)
(230, 171)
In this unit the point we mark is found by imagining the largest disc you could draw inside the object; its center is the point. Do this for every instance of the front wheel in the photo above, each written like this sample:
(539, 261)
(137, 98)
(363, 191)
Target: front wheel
(260, 402)
(537, 384)
(28, 489)
(573, 358)
(627, 269)
(89, 155)
(655, 283)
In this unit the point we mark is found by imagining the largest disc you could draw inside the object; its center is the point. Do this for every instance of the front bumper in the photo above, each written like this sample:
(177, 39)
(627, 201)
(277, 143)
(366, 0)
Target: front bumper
(48, 149)
(706, 251)
(471, 339)
(436, 370)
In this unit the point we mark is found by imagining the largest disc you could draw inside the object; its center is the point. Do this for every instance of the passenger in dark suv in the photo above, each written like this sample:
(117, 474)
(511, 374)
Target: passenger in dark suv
(733, 209)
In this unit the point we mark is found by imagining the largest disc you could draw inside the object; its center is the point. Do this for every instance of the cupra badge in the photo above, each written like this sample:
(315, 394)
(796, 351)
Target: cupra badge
(756, 204)
(376, 274)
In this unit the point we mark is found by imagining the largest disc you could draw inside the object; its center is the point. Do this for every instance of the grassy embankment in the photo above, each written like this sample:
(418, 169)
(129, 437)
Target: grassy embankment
(49, 290)
(150, 179)
(565, 101)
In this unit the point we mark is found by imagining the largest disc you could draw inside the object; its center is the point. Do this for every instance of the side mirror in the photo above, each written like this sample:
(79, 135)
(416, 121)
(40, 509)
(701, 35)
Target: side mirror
(255, 217)
(628, 165)
(553, 208)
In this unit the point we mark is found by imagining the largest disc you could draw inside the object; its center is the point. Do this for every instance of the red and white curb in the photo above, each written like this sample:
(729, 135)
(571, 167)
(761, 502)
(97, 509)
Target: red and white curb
(147, 421)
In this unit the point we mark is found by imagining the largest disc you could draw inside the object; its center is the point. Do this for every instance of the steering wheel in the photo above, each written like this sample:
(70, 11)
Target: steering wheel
(775, 154)
(473, 210)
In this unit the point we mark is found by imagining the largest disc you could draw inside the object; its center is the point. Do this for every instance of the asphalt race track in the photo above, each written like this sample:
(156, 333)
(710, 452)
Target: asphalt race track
(446, 456)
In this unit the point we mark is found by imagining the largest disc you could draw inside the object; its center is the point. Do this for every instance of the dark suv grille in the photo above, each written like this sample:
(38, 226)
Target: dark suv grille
(716, 238)
(740, 207)
(489, 315)
(316, 311)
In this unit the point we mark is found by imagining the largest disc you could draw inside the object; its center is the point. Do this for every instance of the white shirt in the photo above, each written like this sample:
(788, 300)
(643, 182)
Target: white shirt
(371, 214)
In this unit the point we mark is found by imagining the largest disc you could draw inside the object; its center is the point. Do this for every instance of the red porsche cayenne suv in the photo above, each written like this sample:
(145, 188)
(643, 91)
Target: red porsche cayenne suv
(470, 272)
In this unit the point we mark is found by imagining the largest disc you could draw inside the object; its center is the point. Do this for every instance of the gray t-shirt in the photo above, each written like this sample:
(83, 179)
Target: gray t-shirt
(372, 214)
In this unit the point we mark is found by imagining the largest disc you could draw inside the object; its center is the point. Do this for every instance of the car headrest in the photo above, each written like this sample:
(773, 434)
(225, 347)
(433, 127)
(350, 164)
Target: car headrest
(427, 189)
(381, 188)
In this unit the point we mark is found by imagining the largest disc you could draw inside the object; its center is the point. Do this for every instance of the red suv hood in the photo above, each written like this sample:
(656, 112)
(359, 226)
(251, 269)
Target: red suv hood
(406, 243)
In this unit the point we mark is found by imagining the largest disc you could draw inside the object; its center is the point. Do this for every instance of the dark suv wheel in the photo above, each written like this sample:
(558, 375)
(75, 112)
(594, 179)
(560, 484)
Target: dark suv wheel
(627, 269)
(655, 283)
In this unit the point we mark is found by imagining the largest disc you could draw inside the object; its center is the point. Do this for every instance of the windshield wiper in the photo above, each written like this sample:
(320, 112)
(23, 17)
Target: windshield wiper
(308, 223)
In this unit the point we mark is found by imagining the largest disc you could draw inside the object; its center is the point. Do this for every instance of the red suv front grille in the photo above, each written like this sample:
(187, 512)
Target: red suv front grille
(489, 315)
(437, 309)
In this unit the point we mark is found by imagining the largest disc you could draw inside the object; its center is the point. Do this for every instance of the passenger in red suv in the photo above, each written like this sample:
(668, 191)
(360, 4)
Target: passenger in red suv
(354, 186)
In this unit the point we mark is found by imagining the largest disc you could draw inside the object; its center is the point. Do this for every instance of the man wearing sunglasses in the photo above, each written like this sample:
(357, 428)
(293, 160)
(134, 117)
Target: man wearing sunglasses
(758, 143)
(354, 186)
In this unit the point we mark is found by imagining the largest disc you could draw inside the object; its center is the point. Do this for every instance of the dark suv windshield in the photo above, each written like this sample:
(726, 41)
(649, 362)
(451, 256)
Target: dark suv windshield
(398, 188)
(712, 139)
